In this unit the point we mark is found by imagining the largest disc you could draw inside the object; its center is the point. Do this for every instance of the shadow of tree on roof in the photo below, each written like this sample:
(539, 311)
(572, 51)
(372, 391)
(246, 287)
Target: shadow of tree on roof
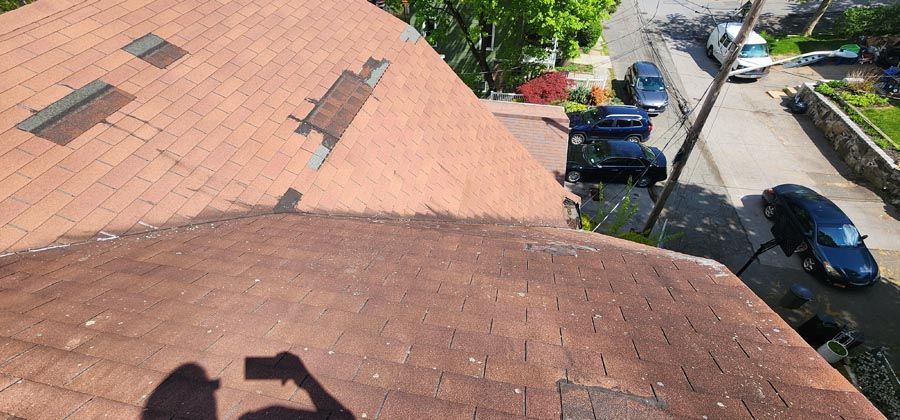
(188, 393)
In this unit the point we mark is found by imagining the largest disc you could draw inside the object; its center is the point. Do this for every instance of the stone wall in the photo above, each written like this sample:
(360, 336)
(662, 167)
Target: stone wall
(865, 158)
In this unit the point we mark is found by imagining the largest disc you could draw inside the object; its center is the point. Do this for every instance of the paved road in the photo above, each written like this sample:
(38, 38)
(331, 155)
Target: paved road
(751, 143)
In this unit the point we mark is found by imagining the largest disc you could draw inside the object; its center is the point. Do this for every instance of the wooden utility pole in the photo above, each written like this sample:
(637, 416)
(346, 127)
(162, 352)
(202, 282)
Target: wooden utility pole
(693, 134)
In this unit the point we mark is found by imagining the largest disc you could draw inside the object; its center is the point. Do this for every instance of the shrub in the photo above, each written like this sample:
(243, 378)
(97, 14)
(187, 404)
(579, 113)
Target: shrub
(825, 89)
(580, 94)
(599, 95)
(571, 106)
(863, 100)
(546, 88)
(870, 20)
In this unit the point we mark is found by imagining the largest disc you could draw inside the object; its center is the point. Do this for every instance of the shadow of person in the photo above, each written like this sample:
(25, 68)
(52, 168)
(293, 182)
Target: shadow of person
(288, 367)
(187, 392)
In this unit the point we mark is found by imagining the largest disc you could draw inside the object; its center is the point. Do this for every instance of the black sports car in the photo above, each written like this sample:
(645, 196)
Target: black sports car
(830, 243)
(616, 161)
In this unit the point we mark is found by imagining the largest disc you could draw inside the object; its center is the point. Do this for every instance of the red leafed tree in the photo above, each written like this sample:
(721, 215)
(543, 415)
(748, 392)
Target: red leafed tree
(546, 88)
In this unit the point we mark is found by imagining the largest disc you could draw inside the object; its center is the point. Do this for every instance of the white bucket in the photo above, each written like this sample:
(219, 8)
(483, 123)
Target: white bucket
(832, 351)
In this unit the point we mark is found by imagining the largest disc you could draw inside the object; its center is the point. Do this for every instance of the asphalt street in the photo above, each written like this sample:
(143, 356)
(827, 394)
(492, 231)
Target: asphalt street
(751, 143)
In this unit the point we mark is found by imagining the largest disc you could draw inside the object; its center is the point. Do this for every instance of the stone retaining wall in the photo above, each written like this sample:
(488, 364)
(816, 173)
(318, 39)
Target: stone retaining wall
(865, 158)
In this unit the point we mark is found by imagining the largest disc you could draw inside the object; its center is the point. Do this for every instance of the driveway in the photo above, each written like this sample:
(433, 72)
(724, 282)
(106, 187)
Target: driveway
(751, 143)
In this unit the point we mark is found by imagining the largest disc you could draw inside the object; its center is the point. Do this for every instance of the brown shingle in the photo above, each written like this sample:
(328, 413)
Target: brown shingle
(233, 102)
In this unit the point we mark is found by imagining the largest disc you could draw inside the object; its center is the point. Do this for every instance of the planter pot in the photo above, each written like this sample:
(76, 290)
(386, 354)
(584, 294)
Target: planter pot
(833, 351)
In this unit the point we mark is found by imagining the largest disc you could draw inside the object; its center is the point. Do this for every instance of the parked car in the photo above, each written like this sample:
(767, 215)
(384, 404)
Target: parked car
(613, 122)
(830, 244)
(754, 53)
(647, 87)
(616, 161)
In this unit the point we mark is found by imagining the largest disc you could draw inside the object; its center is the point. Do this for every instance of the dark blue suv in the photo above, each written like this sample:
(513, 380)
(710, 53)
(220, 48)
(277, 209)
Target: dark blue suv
(614, 122)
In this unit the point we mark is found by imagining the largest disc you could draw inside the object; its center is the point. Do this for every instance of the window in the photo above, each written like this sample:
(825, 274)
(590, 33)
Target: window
(806, 223)
(724, 41)
(428, 26)
(754, 51)
(606, 123)
(617, 162)
(488, 30)
(651, 84)
(623, 123)
(838, 236)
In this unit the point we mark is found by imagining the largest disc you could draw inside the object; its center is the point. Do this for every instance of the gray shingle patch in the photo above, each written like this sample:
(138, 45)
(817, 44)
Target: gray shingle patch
(155, 50)
(410, 34)
(55, 111)
(145, 45)
(318, 157)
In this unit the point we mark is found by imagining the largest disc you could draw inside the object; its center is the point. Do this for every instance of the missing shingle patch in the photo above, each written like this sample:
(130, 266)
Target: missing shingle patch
(288, 202)
(410, 34)
(557, 248)
(595, 402)
(335, 111)
(69, 117)
(155, 50)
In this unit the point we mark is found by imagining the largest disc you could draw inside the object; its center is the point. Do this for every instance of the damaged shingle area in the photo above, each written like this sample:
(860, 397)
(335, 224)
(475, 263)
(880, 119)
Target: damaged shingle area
(155, 50)
(69, 117)
(587, 402)
(336, 110)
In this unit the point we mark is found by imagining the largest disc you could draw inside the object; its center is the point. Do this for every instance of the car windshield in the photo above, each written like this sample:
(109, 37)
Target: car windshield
(651, 84)
(754, 51)
(648, 153)
(592, 155)
(838, 236)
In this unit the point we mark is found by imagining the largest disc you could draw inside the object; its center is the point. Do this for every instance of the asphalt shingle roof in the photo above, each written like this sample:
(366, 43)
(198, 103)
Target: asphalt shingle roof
(216, 134)
(542, 129)
(394, 319)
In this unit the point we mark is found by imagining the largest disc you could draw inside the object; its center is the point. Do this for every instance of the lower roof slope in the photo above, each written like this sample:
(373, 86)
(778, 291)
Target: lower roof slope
(387, 319)
(542, 129)
(218, 108)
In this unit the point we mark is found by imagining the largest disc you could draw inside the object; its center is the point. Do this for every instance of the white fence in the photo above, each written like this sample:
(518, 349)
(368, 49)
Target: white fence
(587, 82)
(506, 97)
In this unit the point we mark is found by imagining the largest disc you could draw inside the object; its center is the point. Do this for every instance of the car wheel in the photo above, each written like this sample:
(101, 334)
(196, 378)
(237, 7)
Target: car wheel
(644, 182)
(709, 52)
(577, 139)
(635, 138)
(769, 211)
(810, 265)
(573, 176)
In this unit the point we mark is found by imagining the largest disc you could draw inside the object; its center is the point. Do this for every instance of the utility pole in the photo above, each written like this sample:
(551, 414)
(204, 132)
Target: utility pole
(693, 134)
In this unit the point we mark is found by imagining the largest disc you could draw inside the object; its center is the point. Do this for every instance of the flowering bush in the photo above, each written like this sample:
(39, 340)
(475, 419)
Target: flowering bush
(599, 95)
(546, 88)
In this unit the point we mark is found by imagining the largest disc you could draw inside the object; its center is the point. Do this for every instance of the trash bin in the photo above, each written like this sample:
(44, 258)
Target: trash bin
(833, 351)
(819, 329)
(796, 297)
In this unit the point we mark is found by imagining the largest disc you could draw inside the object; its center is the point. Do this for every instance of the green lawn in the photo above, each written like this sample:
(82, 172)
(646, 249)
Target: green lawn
(887, 119)
(796, 45)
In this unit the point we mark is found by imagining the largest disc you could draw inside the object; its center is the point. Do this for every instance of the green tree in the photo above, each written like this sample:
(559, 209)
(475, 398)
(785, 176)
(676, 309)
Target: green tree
(540, 22)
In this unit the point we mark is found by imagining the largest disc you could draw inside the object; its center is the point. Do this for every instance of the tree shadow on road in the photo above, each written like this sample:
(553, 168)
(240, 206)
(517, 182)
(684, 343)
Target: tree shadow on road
(712, 229)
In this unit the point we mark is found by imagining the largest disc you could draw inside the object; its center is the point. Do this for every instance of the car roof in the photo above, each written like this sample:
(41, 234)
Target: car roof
(624, 110)
(732, 28)
(619, 148)
(646, 68)
(819, 207)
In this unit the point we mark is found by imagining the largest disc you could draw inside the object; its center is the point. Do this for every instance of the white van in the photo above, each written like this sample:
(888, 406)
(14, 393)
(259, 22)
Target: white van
(755, 51)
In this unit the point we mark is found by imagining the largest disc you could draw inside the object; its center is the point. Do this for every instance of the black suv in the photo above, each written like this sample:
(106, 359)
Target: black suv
(616, 161)
(614, 122)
